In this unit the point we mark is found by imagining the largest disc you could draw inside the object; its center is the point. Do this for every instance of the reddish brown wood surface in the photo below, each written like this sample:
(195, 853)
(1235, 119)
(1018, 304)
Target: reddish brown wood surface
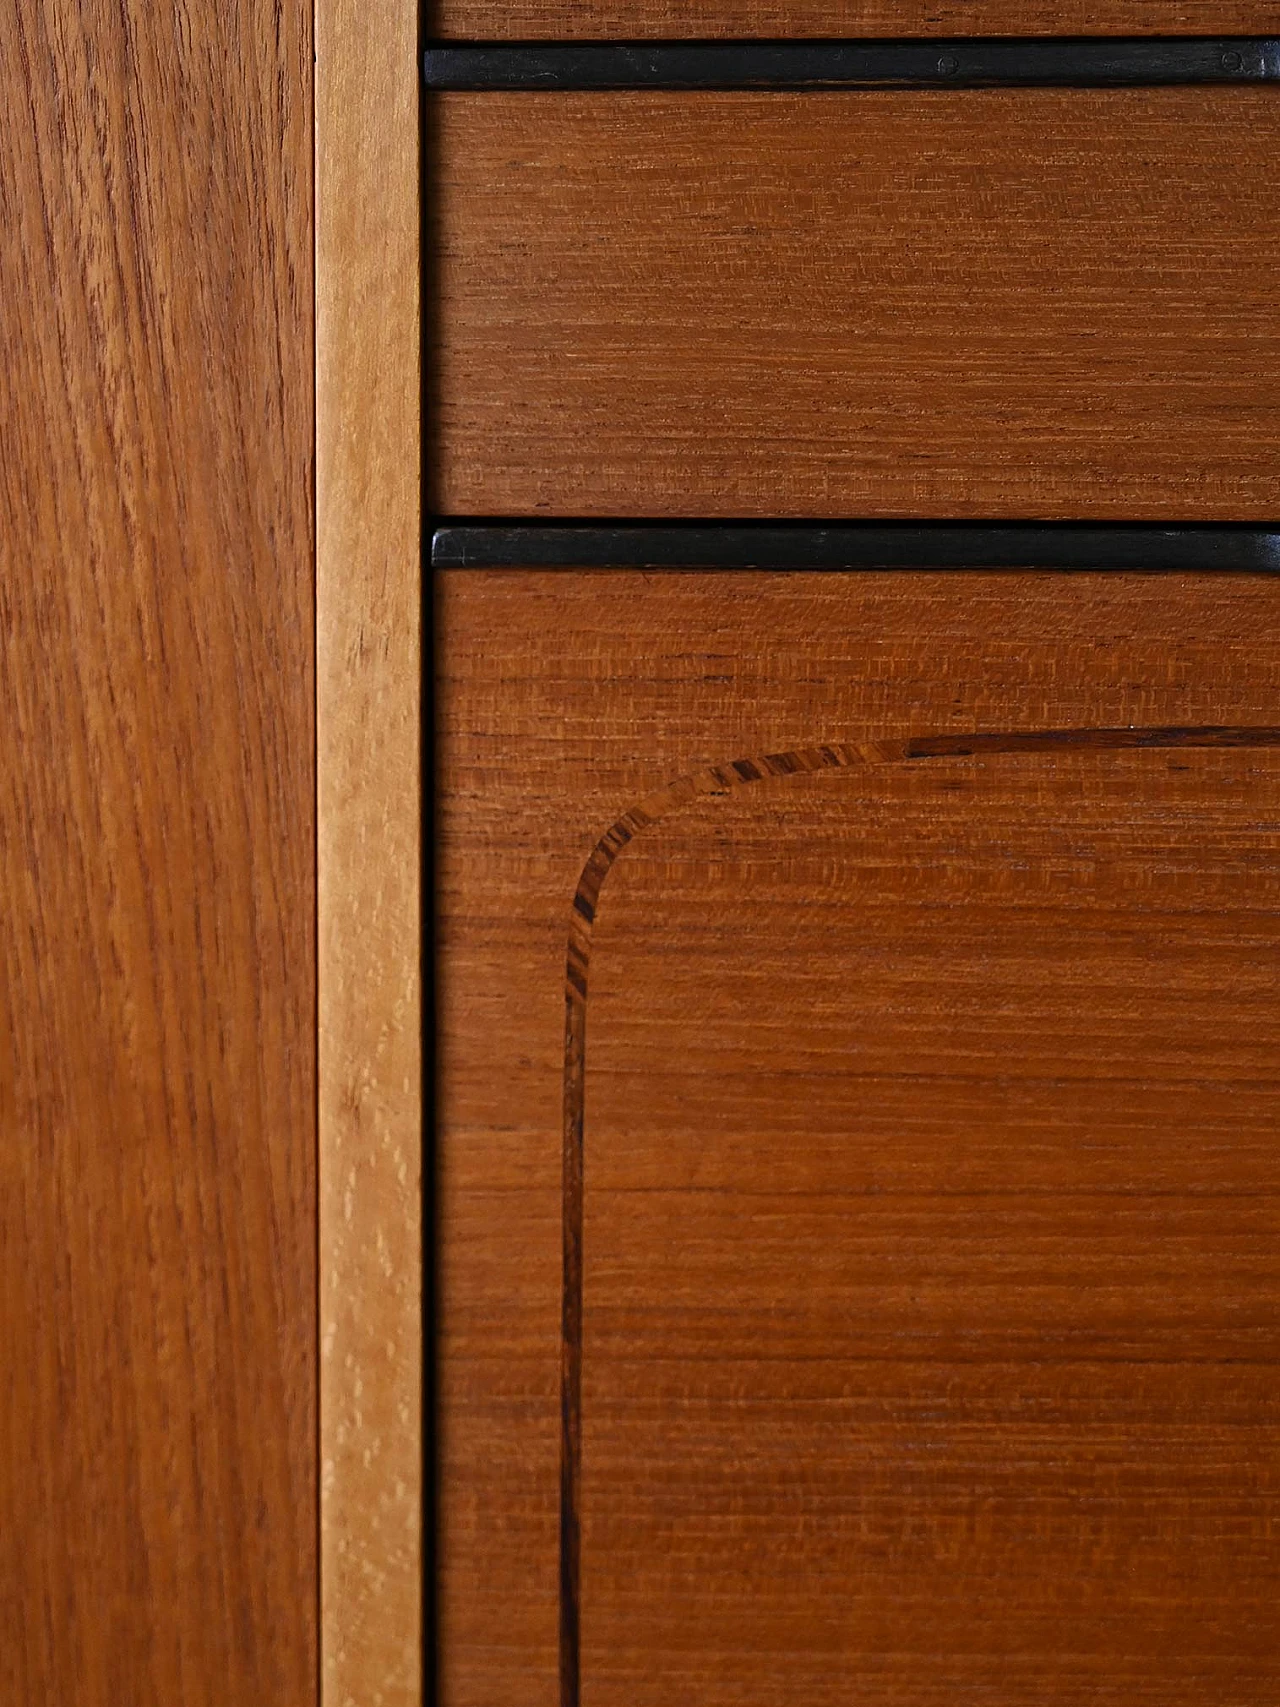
(1007, 303)
(929, 1224)
(522, 20)
(930, 1199)
(157, 1194)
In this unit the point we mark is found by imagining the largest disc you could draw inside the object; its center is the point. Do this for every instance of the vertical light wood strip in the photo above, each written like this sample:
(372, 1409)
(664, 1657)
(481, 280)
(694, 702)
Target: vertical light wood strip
(368, 720)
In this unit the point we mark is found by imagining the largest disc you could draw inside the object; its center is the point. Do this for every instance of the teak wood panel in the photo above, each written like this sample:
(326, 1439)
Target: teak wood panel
(906, 1379)
(986, 303)
(530, 20)
(157, 845)
(929, 1203)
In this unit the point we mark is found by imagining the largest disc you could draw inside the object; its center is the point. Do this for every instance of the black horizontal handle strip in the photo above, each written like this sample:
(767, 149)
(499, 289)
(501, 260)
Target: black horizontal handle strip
(855, 545)
(971, 63)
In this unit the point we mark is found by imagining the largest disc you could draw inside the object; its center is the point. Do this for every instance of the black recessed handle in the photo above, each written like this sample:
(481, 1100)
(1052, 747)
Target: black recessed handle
(856, 545)
(1108, 62)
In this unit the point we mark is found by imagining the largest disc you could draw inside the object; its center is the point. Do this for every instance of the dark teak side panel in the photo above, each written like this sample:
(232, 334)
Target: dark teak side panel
(157, 1198)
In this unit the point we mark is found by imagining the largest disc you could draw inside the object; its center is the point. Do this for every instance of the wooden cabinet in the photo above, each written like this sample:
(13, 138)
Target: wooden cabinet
(859, 887)
(853, 1268)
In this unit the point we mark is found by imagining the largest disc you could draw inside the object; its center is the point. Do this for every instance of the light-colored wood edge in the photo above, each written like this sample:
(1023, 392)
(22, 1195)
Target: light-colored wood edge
(369, 661)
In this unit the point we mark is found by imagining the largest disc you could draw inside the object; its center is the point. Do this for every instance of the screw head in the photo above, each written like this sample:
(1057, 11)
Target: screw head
(1232, 61)
(948, 65)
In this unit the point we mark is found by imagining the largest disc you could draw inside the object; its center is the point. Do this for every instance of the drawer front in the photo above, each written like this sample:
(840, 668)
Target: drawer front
(916, 1160)
(984, 303)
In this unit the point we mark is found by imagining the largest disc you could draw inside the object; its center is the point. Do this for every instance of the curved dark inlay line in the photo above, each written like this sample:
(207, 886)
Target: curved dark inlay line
(720, 780)
(854, 545)
(982, 62)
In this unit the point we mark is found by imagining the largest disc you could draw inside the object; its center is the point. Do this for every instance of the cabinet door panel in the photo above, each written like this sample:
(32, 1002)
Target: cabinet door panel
(929, 1236)
(929, 1190)
(985, 303)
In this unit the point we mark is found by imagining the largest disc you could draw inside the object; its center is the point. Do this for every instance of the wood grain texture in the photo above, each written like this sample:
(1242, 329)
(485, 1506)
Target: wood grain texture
(370, 804)
(1002, 303)
(531, 20)
(157, 1190)
(794, 1282)
(1019, 1175)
